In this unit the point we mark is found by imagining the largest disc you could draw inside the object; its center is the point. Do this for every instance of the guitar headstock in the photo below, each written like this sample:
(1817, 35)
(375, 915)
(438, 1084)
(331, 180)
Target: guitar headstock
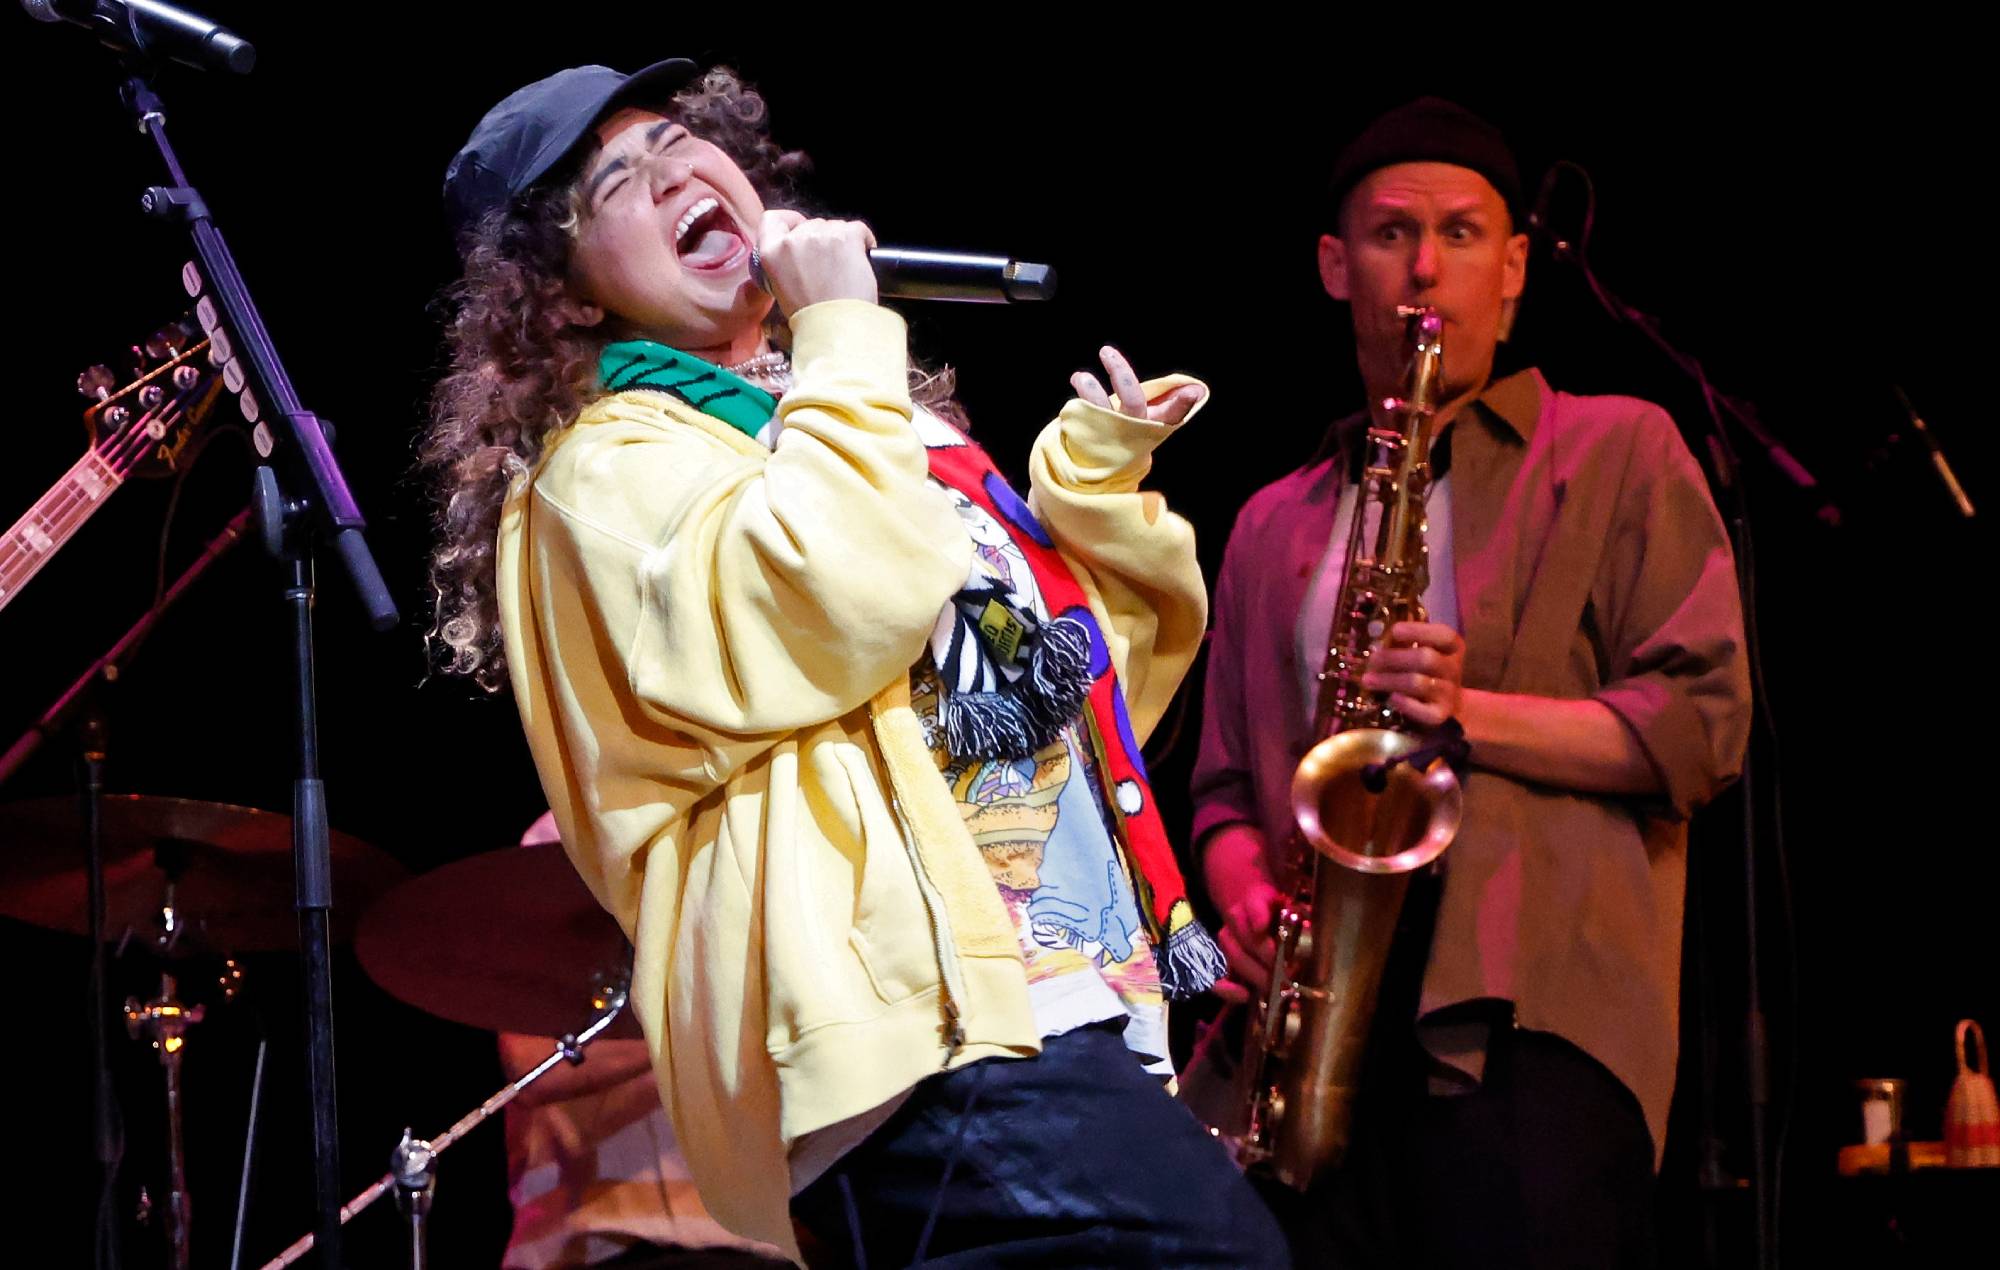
(141, 423)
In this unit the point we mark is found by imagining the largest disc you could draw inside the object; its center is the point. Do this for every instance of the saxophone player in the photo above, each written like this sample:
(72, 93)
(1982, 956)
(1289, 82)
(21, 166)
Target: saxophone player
(1584, 630)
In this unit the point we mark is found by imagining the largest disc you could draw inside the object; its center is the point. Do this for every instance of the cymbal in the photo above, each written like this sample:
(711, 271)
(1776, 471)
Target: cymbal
(508, 941)
(235, 887)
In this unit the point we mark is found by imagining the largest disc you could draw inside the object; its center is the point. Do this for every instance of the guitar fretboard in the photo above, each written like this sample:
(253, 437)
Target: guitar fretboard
(35, 537)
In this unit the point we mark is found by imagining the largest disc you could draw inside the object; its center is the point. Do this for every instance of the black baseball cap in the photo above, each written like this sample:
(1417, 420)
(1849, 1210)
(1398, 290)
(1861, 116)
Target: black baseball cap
(529, 132)
(1431, 130)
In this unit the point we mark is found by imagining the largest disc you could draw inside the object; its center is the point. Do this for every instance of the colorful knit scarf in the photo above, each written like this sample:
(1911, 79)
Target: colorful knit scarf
(1055, 677)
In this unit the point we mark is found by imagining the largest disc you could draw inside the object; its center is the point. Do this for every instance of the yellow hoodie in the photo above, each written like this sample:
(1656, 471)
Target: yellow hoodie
(710, 645)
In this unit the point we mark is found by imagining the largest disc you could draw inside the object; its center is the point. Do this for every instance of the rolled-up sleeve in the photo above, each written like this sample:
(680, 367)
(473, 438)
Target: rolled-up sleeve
(1673, 624)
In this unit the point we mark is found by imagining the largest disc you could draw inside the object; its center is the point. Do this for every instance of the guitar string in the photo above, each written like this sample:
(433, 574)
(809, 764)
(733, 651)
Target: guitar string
(124, 452)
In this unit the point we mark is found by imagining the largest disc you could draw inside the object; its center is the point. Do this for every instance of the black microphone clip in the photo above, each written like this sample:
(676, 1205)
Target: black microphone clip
(1448, 743)
(1538, 217)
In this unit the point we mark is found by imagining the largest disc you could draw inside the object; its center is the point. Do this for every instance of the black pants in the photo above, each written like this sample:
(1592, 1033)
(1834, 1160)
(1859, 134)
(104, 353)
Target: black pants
(1076, 1158)
(1547, 1165)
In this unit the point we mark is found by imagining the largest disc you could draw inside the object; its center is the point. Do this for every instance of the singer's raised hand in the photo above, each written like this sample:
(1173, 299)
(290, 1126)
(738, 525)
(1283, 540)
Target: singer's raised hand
(808, 261)
(1130, 397)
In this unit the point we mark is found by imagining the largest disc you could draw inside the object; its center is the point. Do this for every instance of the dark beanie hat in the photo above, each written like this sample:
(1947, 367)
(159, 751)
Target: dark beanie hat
(1429, 130)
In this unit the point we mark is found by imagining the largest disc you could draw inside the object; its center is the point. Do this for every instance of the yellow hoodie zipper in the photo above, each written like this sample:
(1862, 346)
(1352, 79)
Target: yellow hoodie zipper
(951, 989)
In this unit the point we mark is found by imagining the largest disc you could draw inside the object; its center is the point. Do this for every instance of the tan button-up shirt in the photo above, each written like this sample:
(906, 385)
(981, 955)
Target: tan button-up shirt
(1590, 563)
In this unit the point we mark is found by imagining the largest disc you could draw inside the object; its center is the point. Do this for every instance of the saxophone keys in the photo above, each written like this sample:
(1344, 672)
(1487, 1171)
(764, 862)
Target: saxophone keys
(1270, 1107)
(1293, 1024)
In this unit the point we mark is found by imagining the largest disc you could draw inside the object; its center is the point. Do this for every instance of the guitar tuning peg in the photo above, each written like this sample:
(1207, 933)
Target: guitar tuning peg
(151, 396)
(169, 340)
(116, 417)
(186, 376)
(96, 383)
(138, 358)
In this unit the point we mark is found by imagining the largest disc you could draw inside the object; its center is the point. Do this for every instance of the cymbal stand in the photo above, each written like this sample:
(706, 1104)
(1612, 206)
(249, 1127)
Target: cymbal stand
(414, 1166)
(164, 1022)
(413, 1163)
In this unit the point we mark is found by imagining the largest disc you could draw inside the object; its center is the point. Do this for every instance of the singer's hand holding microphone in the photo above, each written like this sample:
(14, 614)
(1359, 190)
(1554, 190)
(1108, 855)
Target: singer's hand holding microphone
(804, 262)
(925, 273)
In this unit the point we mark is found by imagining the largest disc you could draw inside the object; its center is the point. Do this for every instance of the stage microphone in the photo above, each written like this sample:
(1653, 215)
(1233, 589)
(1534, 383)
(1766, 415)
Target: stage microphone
(1538, 219)
(1938, 460)
(917, 273)
(149, 27)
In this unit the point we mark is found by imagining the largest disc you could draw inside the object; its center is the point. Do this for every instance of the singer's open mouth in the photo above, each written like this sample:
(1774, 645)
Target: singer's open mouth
(707, 237)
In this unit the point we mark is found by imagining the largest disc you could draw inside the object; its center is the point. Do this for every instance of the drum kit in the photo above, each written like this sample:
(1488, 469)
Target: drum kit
(194, 878)
(193, 882)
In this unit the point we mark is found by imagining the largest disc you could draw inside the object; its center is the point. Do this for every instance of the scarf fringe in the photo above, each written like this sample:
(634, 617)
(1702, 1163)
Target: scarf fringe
(1022, 717)
(989, 725)
(1058, 679)
(1190, 962)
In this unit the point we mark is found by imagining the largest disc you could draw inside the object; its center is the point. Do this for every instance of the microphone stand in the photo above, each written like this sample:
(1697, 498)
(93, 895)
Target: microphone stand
(1722, 409)
(1720, 405)
(302, 500)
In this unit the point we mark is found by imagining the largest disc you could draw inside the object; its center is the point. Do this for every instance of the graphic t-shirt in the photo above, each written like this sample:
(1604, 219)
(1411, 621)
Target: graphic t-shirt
(1042, 825)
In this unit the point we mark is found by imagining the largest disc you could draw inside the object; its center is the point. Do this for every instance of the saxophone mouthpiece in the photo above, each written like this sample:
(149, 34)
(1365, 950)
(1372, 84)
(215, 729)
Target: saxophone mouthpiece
(1426, 323)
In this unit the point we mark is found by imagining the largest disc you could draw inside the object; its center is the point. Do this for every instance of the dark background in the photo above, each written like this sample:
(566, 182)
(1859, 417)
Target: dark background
(1809, 225)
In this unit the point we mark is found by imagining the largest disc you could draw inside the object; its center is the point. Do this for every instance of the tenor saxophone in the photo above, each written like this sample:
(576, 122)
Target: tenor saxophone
(1371, 803)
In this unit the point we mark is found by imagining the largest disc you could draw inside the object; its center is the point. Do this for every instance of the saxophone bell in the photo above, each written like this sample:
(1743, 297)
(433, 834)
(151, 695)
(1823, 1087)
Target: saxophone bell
(1397, 828)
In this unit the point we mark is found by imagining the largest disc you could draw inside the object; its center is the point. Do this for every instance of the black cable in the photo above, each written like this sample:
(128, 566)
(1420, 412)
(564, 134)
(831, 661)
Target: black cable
(196, 449)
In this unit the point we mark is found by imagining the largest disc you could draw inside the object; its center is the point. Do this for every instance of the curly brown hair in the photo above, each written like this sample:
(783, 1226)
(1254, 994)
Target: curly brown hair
(523, 364)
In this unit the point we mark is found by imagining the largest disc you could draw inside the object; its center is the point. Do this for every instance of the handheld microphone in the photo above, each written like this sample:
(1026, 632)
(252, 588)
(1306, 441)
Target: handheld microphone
(149, 27)
(917, 273)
